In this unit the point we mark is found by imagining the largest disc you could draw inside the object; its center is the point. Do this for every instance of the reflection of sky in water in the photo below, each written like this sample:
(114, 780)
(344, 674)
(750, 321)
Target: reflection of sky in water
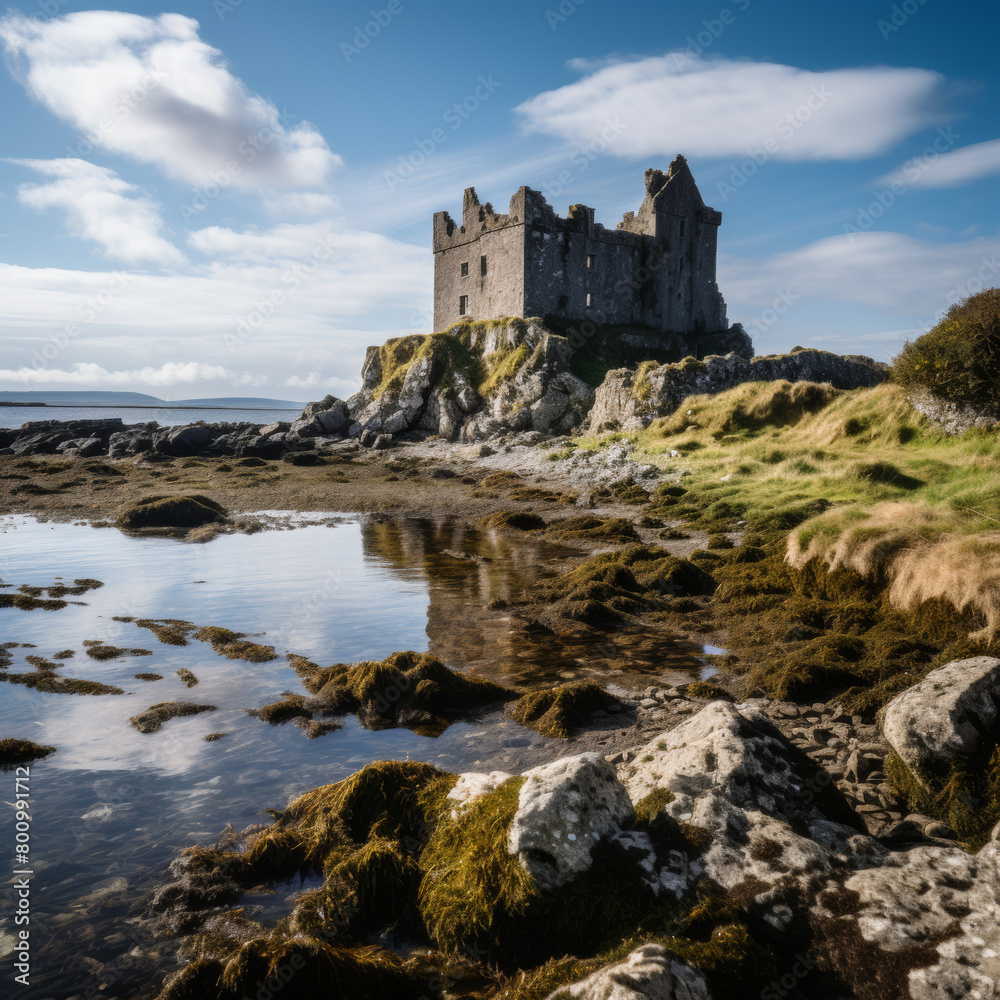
(117, 803)
(312, 591)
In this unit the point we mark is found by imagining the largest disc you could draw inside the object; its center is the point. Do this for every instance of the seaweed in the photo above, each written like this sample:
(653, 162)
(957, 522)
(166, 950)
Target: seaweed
(15, 751)
(558, 712)
(151, 721)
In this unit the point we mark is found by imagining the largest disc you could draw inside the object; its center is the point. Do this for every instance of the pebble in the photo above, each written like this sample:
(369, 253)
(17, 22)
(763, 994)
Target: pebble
(649, 703)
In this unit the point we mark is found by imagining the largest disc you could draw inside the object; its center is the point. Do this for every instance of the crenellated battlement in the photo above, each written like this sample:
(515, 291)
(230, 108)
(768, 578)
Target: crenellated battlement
(655, 268)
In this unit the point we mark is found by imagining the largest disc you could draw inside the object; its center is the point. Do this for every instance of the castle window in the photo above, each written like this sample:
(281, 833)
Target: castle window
(465, 269)
(590, 300)
(590, 260)
(482, 265)
(463, 303)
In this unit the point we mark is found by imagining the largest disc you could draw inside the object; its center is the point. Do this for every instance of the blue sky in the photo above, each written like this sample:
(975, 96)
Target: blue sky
(236, 195)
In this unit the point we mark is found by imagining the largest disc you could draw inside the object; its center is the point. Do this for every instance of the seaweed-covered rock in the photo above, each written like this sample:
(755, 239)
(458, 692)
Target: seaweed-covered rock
(171, 512)
(944, 718)
(563, 808)
(771, 822)
(14, 751)
(651, 972)
(631, 398)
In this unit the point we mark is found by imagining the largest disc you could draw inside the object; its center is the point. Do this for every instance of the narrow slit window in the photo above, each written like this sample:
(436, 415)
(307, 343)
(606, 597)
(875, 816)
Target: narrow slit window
(463, 304)
(465, 269)
(590, 300)
(482, 265)
(590, 261)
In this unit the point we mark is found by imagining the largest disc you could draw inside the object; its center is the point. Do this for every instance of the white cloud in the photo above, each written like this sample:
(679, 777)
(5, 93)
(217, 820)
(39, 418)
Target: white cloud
(899, 275)
(171, 373)
(151, 89)
(950, 169)
(720, 108)
(100, 206)
(300, 203)
(314, 379)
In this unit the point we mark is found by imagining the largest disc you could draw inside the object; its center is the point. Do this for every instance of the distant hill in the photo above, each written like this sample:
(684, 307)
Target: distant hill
(74, 397)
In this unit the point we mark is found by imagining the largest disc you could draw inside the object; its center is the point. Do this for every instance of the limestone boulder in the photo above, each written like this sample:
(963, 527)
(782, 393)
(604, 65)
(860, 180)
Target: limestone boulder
(922, 926)
(325, 417)
(944, 718)
(564, 809)
(651, 972)
(772, 823)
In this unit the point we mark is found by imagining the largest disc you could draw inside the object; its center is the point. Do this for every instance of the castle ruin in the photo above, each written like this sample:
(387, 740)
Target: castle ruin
(656, 269)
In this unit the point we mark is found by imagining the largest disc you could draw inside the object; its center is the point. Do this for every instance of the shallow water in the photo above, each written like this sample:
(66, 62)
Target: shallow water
(165, 416)
(113, 806)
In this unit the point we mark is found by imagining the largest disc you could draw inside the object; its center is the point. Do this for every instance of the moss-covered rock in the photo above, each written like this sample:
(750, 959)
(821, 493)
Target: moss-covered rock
(558, 712)
(151, 721)
(171, 512)
(15, 751)
(404, 689)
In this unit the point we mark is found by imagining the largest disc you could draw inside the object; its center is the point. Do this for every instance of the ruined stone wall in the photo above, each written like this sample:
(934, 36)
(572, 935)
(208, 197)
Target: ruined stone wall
(656, 269)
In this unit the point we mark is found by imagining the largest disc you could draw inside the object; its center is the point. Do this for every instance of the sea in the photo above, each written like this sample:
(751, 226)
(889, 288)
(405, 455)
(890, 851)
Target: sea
(165, 416)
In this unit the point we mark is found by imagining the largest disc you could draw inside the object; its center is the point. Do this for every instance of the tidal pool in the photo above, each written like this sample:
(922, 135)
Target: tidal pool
(113, 806)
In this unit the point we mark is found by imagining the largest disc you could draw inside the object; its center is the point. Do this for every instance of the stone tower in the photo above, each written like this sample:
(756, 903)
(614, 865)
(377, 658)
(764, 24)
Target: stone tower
(656, 269)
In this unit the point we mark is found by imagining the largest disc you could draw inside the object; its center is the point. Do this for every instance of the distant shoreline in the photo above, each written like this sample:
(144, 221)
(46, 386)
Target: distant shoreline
(143, 406)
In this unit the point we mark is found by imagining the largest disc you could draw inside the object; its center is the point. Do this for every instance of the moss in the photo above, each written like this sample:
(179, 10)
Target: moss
(151, 721)
(558, 712)
(501, 367)
(720, 542)
(404, 685)
(25, 602)
(474, 888)
(234, 645)
(50, 683)
(170, 512)
(613, 530)
(170, 631)
(319, 969)
(476, 895)
(101, 651)
(706, 689)
(187, 677)
(520, 520)
(291, 707)
(966, 797)
(532, 494)
(14, 752)
(652, 805)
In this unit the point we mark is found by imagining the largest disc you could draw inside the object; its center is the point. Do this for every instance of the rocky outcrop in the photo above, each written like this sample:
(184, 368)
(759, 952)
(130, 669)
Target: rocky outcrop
(471, 383)
(651, 972)
(944, 718)
(771, 821)
(952, 418)
(562, 810)
(629, 399)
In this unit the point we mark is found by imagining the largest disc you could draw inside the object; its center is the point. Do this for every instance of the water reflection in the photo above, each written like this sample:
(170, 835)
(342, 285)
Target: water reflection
(113, 806)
